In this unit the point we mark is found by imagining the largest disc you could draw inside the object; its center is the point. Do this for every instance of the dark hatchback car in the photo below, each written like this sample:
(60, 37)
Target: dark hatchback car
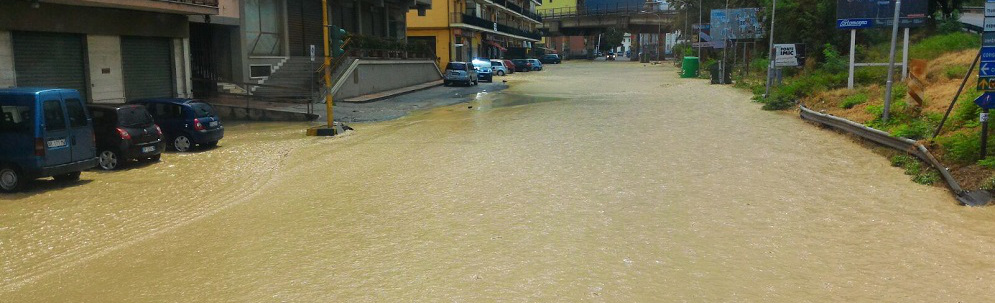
(550, 59)
(125, 132)
(522, 65)
(185, 123)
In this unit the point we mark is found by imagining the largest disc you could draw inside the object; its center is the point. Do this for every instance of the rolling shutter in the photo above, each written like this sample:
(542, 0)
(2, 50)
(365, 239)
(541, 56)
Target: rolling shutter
(295, 27)
(147, 67)
(50, 60)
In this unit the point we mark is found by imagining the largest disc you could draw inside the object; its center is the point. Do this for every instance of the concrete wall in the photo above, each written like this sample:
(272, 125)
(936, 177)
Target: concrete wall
(374, 76)
(7, 78)
(106, 78)
(182, 76)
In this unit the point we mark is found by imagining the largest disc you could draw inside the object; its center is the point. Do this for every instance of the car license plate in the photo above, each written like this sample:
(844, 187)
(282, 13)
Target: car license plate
(148, 149)
(213, 124)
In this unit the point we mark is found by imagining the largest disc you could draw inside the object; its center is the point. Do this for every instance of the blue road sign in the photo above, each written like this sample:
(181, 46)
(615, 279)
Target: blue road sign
(987, 70)
(986, 101)
(988, 54)
(988, 38)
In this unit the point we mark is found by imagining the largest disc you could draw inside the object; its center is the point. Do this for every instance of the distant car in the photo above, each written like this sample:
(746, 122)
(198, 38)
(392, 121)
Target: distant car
(185, 123)
(44, 132)
(522, 65)
(510, 65)
(536, 65)
(459, 72)
(125, 132)
(499, 68)
(550, 59)
(610, 57)
(484, 70)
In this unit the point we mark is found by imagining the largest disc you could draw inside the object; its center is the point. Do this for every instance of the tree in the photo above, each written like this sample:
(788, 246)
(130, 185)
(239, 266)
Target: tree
(612, 38)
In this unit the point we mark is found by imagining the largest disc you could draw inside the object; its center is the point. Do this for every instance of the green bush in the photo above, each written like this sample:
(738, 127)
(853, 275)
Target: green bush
(966, 110)
(955, 71)
(853, 100)
(949, 25)
(900, 160)
(915, 130)
(987, 162)
(835, 62)
(912, 168)
(962, 148)
(928, 177)
(937, 45)
(779, 100)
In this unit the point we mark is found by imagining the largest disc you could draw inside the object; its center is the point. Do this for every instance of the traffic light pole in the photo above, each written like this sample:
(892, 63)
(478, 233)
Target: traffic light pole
(328, 66)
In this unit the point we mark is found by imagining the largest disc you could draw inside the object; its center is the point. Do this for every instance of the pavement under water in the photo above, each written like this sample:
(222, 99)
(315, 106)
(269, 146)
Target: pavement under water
(606, 181)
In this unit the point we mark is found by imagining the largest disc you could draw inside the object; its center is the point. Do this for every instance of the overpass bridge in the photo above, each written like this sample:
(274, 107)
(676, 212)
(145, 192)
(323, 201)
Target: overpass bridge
(571, 21)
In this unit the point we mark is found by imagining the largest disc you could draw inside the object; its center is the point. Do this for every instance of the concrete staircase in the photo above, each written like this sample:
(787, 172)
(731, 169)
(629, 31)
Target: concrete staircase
(291, 80)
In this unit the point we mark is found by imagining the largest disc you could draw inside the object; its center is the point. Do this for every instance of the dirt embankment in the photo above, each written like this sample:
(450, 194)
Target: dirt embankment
(943, 77)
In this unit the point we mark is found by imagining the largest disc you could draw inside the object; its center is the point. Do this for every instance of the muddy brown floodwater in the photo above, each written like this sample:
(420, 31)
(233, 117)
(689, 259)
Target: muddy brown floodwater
(612, 182)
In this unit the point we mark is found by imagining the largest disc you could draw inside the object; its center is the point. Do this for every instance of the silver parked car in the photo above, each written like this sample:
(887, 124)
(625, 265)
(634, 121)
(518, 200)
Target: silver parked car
(499, 68)
(459, 72)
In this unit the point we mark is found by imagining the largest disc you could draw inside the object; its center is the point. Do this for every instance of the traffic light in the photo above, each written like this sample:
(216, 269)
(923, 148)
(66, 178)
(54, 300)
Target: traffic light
(338, 40)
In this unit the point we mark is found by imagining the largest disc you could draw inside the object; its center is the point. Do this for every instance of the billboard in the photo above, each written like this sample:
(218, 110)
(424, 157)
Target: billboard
(736, 24)
(853, 14)
(789, 55)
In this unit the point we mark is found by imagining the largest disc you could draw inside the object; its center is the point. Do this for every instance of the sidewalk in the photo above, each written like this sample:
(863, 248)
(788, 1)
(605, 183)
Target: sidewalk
(392, 93)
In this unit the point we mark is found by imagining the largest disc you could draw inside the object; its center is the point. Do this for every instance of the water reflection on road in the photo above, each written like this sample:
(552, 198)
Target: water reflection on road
(588, 181)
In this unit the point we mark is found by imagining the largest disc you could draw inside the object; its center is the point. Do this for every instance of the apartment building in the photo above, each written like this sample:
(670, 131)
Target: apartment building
(459, 30)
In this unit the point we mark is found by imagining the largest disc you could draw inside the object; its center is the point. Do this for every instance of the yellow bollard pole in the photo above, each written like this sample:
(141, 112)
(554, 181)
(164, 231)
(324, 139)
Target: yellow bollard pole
(328, 67)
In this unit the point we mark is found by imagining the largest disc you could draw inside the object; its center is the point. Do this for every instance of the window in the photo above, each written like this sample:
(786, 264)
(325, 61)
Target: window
(55, 118)
(15, 118)
(167, 111)
(77, 114)
(456, 66)
(263, 30)
(134, 116)
(202, 110)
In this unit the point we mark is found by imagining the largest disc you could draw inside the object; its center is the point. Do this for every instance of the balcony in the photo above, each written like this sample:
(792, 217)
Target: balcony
(182, 7)
(493, 26)
(518, 9)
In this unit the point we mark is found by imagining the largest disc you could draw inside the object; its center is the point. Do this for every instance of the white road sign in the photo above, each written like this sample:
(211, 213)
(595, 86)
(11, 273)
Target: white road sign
(989, 9)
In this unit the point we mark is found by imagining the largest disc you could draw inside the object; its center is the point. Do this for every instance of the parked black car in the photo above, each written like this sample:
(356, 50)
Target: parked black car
(522, 65)
(550, 59)
(125, 132)
(185, 123)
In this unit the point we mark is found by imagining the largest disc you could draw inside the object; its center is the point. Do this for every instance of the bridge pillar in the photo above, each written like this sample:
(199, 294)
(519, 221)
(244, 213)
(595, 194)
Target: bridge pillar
(636, 48)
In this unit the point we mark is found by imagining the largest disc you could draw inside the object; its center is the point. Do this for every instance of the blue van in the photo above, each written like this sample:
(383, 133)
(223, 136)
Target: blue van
(44, 132)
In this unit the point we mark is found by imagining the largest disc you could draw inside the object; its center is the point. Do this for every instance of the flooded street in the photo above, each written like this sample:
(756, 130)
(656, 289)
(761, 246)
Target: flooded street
(590, 181)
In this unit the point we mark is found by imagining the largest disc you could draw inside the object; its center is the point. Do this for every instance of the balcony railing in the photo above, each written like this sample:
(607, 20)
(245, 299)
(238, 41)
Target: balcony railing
(519, 9)
(211, 3)
(491, 25)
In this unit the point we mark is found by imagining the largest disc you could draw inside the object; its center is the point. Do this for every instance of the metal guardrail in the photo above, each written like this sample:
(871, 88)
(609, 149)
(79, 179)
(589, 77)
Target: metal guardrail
(207, 3)
(518, 9)
(973, 198)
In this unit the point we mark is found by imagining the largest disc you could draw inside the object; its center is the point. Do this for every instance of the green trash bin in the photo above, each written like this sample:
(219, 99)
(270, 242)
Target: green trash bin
(689, 68)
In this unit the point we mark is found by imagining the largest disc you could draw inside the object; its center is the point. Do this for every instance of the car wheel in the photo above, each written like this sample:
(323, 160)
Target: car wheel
(182, 143)
(446, 83)
(73, 176)
(10, 179)
(212, 144)
(501, 73)
(155, 158)
(108, 160)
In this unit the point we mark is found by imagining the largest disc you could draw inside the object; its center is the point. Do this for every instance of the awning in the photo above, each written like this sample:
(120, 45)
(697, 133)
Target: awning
(549, 50)
(494, 44)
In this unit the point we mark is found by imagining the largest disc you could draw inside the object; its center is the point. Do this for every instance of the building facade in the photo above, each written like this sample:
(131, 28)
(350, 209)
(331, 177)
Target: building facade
(460, 30)
(268, 42)
(109, 50)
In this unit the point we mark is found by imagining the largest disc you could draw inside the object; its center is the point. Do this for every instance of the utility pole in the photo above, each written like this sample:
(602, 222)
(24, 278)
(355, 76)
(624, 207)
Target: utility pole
(699, 31)
(771, 66)
(725, 46)
(891, 62)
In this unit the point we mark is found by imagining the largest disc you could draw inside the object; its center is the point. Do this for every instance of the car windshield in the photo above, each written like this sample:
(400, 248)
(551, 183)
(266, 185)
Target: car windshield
(481, 63)
(456, 66)
(202, 110)
(134, 116)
